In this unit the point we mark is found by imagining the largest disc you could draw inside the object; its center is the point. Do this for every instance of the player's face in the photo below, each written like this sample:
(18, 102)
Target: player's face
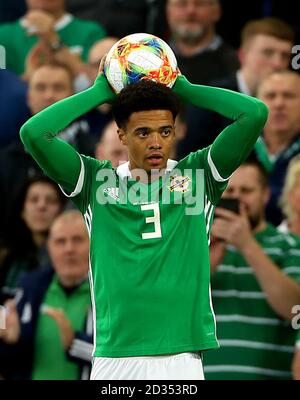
(47, 86)
(281, 93)
(189, 20)
(245, 185)
(265, 54)
(41, 206)
(68, 246)
(149, 136)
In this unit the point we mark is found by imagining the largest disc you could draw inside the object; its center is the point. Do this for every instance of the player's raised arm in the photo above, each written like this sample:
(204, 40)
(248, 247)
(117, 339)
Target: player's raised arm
(235, 142)
(58, 159)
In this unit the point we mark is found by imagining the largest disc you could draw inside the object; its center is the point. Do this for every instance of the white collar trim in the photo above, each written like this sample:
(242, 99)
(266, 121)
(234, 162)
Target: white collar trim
(63, 21)
(123, 170)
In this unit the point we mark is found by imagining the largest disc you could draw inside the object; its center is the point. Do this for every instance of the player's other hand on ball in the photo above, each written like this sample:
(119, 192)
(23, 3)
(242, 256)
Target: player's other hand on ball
(101, 78)
(101, 74)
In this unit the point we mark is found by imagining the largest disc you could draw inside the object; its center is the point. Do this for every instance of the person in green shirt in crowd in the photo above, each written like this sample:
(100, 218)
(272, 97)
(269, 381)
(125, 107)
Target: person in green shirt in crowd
(51, 32)
(255, 285)
(49, 327)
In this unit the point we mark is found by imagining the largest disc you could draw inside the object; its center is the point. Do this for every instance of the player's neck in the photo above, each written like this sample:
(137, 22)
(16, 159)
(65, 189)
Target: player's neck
(145, 176)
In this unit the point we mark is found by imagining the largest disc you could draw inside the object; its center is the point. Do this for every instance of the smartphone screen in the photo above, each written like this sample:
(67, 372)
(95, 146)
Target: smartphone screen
(231, 204)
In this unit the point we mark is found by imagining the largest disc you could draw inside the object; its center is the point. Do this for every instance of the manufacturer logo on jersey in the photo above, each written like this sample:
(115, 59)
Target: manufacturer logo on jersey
(112, 192)
(179, 184)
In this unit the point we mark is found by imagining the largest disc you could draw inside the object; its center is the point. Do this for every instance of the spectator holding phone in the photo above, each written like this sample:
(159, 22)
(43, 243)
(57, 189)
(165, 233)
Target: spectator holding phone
(254, 285)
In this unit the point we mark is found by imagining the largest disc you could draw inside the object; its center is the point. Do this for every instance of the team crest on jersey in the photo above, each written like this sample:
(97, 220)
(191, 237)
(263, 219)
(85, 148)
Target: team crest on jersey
(112, 192)
(179, 183)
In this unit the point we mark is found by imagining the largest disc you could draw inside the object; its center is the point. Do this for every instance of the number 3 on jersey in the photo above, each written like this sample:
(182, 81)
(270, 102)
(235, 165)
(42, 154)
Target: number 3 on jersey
(155, 219)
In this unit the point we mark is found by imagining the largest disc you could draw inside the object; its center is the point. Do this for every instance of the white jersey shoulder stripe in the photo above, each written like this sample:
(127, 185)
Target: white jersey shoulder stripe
(91, 280)
(217, 177)
(79, 184)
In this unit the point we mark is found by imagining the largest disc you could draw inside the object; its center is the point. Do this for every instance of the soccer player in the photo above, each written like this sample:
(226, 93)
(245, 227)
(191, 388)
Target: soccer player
(149, 257)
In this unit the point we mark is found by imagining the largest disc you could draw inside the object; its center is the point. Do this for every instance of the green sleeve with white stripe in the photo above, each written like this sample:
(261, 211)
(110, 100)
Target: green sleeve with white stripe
(58, 159)
(235, 142)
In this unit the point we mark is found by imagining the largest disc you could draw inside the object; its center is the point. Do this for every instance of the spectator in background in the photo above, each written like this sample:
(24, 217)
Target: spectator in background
(13, 111)
(290, 199)
(49, 330)
(38, 202)
(46, 22)
(51, 83)
(202, 57)
(47, 85)
(110, 147)
(266, 47)
(255, 284)
(96, 53)
(122, 17)
(280, 141)
(180, 133)
(85, 78)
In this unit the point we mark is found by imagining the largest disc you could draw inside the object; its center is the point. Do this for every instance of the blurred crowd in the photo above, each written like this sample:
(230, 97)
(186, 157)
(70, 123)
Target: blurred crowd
(53, 49)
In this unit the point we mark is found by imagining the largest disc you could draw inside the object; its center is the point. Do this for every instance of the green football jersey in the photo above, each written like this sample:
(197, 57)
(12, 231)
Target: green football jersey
(149, 257)
(255, 343)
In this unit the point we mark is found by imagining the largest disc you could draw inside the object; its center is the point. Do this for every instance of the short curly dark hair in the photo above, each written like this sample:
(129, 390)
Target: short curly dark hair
(144, 95)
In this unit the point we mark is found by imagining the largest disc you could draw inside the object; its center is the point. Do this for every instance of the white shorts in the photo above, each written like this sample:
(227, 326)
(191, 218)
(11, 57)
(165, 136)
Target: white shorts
(183, 366)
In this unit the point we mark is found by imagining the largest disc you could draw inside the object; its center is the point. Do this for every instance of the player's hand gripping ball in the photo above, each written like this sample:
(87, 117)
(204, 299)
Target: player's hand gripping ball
(140, 56)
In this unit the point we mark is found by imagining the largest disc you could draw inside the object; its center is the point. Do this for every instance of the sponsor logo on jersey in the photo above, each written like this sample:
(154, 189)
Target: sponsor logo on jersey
(179, 183)
(112, 192)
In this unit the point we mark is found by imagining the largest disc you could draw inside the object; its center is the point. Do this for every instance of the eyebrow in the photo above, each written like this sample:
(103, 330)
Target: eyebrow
(140, 128)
